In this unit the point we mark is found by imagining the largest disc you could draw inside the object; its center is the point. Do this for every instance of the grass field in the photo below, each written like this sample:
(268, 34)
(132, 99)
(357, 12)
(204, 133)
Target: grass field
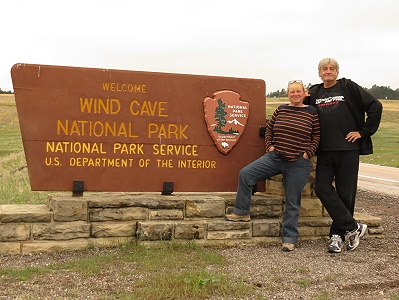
(9, 126)
(14, 183)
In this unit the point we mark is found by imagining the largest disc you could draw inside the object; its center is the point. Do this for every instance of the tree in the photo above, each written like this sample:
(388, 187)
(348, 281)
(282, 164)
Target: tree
(383, 92)
(278, 94)
(5, 92)
(219, 116)
(380, 92)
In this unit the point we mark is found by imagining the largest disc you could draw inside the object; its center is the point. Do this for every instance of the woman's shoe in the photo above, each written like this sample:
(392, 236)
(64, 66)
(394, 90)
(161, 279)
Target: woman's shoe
(238, 218)
(288, 247)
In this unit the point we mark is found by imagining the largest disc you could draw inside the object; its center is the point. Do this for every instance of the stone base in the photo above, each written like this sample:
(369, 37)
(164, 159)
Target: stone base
(109, 219)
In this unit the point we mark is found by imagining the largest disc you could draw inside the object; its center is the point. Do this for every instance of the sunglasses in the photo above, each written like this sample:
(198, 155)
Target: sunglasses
(295, 81)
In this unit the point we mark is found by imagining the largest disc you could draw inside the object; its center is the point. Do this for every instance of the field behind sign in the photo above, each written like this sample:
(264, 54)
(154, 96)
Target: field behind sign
(14, 181)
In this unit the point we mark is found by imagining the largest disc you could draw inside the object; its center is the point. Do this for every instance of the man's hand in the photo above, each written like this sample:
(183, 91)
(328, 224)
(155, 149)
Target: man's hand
(352, 136)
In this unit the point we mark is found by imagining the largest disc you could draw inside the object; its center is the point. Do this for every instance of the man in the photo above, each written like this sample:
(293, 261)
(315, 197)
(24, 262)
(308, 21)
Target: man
(345, 133)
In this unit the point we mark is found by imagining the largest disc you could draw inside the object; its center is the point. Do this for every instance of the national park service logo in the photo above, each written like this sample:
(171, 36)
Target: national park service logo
(226, 117)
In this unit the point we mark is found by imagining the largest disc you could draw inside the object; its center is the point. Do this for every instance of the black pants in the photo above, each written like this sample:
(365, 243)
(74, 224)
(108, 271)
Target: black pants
(339, 201)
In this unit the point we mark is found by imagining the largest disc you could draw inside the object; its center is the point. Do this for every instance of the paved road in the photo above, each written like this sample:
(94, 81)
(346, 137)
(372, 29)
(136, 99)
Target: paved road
(379, 178)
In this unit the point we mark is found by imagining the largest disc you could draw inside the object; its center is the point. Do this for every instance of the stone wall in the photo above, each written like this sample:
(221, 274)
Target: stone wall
(108, 219)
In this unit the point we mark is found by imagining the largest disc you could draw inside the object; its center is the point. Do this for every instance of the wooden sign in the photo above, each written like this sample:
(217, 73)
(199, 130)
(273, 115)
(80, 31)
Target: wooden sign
(114, 130)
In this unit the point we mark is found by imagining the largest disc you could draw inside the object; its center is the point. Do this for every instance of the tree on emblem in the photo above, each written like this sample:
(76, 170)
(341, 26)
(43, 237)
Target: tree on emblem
(221, 120)
(219, 116)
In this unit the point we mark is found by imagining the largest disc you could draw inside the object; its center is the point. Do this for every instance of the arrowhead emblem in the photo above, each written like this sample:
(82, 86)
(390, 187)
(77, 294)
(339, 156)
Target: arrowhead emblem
(226, 117)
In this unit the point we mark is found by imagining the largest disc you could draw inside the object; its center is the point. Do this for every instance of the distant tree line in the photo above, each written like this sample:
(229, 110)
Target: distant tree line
(5, 92)
(278, 94)
(380, 92)
(383, 92)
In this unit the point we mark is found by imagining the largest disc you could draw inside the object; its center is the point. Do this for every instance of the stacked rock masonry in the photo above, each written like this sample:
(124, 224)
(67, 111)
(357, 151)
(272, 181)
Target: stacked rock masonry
(108, 219)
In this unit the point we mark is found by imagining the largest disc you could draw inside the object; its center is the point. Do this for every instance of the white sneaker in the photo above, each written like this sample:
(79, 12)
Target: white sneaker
(354, 236)
(335, 245)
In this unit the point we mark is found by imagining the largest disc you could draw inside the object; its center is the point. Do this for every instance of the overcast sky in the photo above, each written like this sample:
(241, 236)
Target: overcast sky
(276, 41)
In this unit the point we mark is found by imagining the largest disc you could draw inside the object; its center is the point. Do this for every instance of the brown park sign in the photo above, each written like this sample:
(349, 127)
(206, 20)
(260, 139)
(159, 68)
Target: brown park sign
(114, 130)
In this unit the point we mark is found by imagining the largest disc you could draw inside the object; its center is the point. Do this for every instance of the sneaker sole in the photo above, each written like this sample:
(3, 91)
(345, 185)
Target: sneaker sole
(287, 249)
(351, 249)
(334, 251)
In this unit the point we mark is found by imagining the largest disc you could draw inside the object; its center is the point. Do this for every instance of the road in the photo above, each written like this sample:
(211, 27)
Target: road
(379, 178)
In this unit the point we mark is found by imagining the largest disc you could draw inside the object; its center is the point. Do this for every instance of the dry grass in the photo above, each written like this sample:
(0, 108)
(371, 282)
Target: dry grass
(9, 126)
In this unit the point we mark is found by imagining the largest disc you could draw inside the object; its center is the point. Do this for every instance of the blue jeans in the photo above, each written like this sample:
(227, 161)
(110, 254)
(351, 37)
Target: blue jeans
(295, 176)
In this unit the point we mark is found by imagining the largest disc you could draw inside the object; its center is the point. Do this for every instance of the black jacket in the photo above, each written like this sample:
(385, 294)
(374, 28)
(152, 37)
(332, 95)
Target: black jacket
(365, 108)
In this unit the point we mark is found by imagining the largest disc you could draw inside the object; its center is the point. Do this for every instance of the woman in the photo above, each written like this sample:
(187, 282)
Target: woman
(292, 137)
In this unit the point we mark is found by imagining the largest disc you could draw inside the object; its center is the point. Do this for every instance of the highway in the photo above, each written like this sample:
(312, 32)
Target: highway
(379, 179)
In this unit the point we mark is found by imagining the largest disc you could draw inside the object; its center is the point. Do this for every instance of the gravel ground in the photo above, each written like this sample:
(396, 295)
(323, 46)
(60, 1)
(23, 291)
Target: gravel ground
(309, 272)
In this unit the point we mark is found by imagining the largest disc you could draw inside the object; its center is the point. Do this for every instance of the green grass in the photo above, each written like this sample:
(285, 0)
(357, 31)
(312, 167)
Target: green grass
(22, 274)
(184, 268)
(385, 140)
(302, 282)
(14, 182)
(11, 141)
(395, 297)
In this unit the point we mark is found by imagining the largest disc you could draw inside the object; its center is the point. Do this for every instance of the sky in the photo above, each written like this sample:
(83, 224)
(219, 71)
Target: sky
(276, 41)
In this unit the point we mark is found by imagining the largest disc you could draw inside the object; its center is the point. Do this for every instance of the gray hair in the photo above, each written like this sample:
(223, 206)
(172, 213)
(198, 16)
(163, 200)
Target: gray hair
(328, 60)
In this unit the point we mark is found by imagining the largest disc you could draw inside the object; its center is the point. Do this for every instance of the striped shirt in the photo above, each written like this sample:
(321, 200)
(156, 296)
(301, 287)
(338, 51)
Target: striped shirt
(293, 130)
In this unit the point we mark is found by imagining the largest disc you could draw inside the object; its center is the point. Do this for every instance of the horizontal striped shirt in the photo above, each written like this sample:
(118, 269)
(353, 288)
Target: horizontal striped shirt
(293, 130)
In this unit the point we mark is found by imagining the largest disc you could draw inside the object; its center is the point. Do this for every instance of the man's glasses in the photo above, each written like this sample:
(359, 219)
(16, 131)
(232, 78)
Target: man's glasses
(295, 81)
